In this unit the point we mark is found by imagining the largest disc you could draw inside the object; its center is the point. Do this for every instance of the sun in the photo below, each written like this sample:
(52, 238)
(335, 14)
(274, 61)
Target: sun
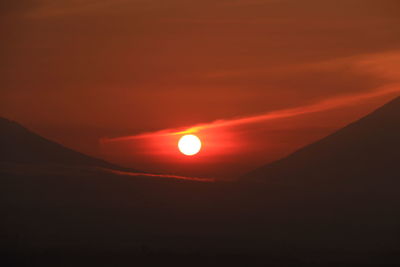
(189, 145)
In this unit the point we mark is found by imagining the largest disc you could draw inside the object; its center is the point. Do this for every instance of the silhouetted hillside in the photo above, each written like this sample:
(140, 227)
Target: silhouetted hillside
(342, 191)
(20, 145)
(367, 150)
(335, 201)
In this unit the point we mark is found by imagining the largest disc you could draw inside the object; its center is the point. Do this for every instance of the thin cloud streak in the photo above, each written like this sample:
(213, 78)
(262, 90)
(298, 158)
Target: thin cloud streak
(168, 176)
(286, 113)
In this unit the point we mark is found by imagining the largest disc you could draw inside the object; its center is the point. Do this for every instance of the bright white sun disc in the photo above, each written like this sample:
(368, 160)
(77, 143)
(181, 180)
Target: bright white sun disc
(189, 145)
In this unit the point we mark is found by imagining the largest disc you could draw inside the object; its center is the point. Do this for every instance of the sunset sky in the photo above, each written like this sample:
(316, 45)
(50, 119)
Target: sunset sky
(118, 79)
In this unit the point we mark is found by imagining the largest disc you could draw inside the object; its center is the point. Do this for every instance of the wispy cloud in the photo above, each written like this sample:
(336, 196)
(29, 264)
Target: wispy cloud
(167, 176)
(380, 65)
(65, 170)
(286, 113)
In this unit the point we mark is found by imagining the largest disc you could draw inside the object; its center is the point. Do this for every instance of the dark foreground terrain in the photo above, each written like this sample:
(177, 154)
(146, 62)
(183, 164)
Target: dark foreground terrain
(334, 202)
(123, 221)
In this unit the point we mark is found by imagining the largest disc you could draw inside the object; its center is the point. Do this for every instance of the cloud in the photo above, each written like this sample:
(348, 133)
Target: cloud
(115, 68)
(66, 170)
(318, 107)
(167, 176)
(382, 68)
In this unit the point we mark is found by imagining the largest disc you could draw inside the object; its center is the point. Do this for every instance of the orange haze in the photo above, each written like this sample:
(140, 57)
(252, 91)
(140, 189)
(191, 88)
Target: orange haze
(254, 79)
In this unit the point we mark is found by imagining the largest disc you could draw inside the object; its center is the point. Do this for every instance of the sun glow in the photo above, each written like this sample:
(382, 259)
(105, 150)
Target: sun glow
(189, 145)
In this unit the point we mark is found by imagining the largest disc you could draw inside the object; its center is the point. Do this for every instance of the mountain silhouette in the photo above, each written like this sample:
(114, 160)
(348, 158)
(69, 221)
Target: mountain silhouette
(335, 200)
(20, 145)
(366, 151)
(66, 203)
(341, 191)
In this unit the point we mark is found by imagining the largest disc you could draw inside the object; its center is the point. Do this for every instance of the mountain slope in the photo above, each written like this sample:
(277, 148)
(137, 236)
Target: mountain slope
(364, 150)
(342, 191)
(19, 145)
(335, 200)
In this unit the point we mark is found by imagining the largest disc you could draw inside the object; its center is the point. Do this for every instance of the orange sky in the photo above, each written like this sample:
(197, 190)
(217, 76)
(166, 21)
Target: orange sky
(77, 71)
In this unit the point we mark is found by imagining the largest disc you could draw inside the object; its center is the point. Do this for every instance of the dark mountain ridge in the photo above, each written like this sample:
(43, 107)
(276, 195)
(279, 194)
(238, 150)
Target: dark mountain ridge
(20, 145)
(336, 200)
(343, 190)
(365, 150)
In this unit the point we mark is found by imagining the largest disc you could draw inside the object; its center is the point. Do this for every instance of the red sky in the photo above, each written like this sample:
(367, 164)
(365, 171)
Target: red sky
(77, 71)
